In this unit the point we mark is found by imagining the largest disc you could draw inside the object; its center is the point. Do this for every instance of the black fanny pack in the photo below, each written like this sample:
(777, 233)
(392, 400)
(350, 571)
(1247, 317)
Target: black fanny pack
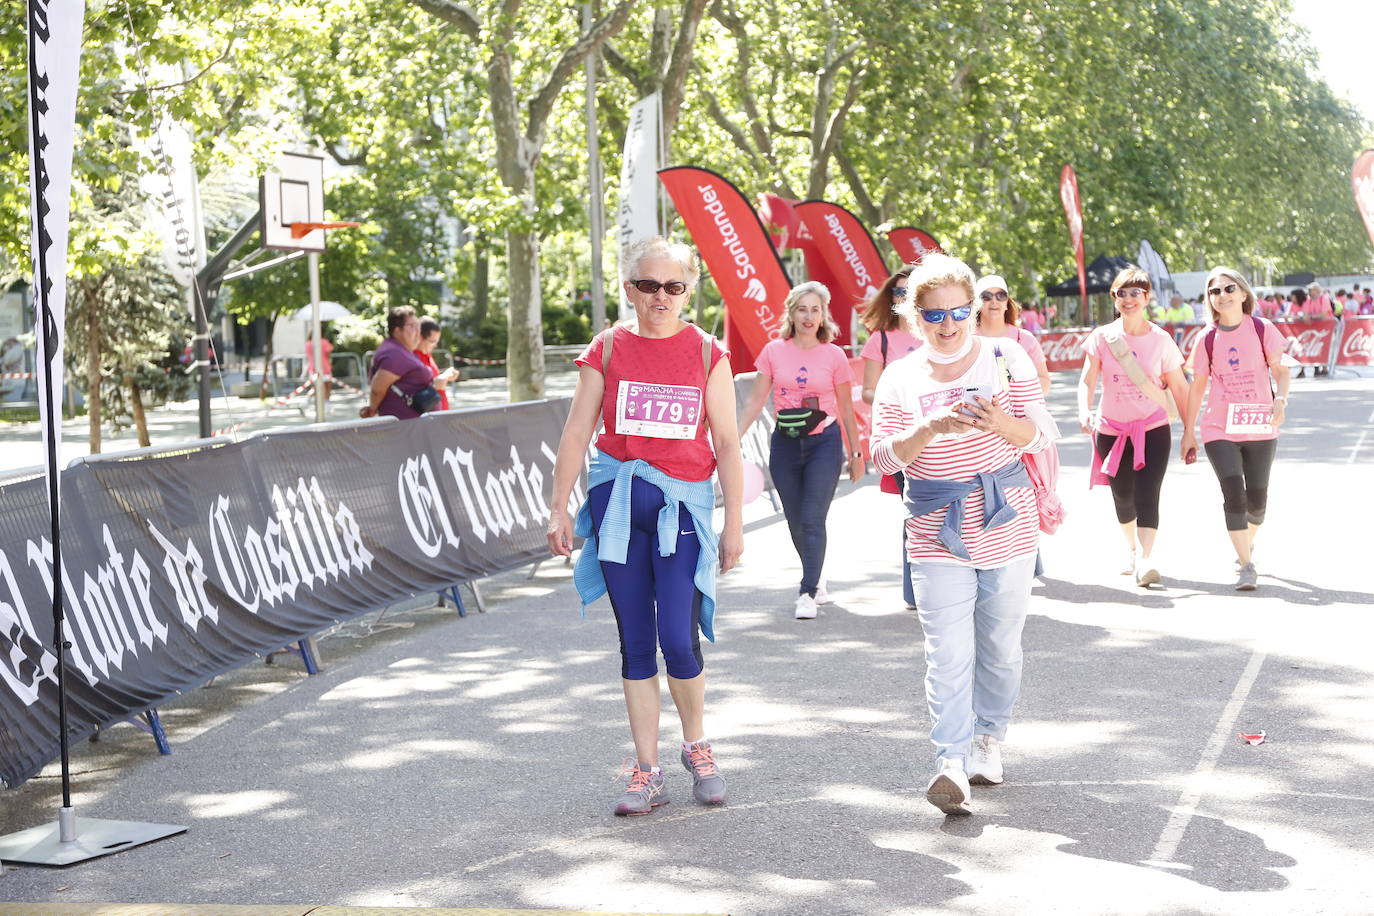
(795, 422)
(422, 401)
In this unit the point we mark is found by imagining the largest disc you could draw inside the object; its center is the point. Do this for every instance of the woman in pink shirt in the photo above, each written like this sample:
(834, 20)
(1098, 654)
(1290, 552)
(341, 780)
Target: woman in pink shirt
(889, 341)
(810, 382)
(997, 314)
(1131, 427)
(1241, 359)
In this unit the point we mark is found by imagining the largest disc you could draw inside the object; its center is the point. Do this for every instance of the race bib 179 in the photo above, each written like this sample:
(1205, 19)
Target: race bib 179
(657, 411)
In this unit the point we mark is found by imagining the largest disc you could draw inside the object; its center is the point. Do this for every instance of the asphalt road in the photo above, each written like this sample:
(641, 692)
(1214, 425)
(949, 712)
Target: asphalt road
(439, 761)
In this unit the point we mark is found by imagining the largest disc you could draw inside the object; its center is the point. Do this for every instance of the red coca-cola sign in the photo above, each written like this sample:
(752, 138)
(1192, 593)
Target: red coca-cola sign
(1314, 340)
(1064, 349)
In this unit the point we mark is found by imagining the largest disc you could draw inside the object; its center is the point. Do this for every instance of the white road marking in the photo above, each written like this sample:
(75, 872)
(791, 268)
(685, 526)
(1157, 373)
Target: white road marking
(1360, 441)
(1197, 782)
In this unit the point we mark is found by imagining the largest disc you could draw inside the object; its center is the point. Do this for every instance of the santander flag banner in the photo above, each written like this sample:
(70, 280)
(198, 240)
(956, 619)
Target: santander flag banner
(1073, 212)
(848, 250)
(912, 244)
(54, 68)
(735, 247)
(1362, 183)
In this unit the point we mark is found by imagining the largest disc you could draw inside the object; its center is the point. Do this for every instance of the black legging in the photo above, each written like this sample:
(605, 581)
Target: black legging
(1242, 468)
(1136, 493)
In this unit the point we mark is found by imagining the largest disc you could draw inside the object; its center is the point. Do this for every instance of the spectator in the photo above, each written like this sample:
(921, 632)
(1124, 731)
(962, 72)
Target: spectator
(325, 364)
(397, 375)
(429, 339)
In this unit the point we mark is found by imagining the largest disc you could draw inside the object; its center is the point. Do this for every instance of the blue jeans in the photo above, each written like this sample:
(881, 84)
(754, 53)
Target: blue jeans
(972, 620)
(805, 472)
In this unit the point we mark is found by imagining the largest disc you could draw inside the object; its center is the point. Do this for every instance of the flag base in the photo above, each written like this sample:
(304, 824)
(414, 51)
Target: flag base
(90, 838)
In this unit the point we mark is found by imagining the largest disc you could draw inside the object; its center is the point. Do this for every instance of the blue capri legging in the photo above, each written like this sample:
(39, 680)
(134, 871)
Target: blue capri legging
(655, 600)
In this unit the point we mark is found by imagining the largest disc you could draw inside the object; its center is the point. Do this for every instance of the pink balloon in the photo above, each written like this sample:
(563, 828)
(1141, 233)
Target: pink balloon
(753, 481)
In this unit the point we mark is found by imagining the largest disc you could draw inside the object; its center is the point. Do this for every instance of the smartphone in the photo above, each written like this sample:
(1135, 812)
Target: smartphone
(971, 392)
(1190, 456)
(812, 401)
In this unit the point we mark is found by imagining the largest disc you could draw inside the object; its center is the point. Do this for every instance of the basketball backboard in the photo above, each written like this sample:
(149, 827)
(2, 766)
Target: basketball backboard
(293, 193)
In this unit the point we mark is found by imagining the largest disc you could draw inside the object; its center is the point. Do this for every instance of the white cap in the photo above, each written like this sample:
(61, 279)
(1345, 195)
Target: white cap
(991, 281)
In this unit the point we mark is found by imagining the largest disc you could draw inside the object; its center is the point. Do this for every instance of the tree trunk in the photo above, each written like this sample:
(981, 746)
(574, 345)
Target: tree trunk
(525, 342)
(136, 408)
(93, 370)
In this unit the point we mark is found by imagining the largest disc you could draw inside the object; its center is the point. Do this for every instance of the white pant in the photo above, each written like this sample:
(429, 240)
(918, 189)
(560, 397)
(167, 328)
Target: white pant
(972, 620)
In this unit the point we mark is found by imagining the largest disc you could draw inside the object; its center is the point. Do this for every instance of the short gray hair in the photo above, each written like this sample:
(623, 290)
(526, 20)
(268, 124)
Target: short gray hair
(659, 247)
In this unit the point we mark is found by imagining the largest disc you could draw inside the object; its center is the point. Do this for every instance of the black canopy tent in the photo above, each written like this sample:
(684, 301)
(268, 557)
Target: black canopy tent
(1100, 275)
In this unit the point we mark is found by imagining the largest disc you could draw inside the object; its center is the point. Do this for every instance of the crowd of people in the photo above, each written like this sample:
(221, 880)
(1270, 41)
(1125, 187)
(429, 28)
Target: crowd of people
(960, 425)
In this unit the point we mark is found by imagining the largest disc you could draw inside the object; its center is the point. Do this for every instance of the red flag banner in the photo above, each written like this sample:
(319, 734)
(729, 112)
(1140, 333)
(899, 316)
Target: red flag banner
(913, 244)
(856, 267)
(1073, 212)
(735, 247)
(1362, 183)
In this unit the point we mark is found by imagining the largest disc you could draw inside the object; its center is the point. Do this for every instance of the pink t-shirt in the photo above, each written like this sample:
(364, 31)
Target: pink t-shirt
(1318, 306)
(1030, 320)
(798, 374)
(899, 344)
(1155, 352)
(1030, 344)
(1240, 402)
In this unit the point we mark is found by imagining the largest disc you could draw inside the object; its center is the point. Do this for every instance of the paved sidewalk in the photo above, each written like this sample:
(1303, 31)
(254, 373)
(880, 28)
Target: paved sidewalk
(438, 761)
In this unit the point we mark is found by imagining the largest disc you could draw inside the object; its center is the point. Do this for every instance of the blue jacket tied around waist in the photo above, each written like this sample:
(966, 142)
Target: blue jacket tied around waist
(926, 496)
(610, 542)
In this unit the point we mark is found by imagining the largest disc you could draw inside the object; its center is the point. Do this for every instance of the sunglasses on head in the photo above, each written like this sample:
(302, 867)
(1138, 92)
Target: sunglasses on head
(937, 316)
(672, 287)
(1129, 292)
(994, 295)
(1227, 288)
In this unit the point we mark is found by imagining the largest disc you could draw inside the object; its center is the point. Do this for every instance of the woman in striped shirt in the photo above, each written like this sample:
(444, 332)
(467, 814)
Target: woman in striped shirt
(956, 417)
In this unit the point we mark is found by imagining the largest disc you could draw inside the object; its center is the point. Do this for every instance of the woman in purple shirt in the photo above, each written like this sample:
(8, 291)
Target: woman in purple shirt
(395, 367)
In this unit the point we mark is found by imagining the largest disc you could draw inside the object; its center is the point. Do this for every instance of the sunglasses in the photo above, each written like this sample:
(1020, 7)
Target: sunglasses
(1228, 289)
(672, 287)
(994, 296)
(1129, 292)
(937, 316)
(899, 292)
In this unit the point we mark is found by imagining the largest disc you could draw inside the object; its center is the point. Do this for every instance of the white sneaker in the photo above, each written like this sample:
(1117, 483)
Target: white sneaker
(806, 607)
(822, 595)
(949, 790)
(1145, 572)
(985, 761)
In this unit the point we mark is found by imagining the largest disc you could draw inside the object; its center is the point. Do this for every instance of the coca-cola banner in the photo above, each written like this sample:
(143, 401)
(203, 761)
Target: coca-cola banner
(848, 250)
(179, 566)
(736, 249)
(1312, 343)
(1362, 183)
(1073, 213)
(912, 244)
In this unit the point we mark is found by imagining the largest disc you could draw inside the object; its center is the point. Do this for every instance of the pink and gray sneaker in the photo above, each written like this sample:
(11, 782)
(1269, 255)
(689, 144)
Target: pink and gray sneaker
(708, 785)
(645, 792)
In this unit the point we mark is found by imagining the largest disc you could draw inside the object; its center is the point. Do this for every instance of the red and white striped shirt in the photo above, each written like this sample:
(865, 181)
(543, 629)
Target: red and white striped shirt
(906, 393)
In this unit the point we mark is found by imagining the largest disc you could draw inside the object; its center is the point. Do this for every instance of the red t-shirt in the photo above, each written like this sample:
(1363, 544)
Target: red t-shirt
(428, 360)
(656, 386)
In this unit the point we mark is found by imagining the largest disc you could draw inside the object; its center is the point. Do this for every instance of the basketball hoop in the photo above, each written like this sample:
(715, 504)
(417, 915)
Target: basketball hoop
(300, 230)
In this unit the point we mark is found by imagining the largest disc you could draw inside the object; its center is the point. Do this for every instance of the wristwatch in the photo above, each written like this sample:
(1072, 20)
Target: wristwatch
(1280, 397)
(856, 454)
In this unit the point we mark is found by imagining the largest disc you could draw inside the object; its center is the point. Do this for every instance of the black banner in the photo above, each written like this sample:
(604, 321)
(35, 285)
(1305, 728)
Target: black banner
(180, 565)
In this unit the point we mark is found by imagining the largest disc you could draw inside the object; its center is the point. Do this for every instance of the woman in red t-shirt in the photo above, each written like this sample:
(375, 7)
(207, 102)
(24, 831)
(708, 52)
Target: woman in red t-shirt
(429, 339)
(651, 544)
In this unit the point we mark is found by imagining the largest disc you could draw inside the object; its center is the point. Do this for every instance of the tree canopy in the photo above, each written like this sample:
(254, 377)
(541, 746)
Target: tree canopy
(456, 132)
